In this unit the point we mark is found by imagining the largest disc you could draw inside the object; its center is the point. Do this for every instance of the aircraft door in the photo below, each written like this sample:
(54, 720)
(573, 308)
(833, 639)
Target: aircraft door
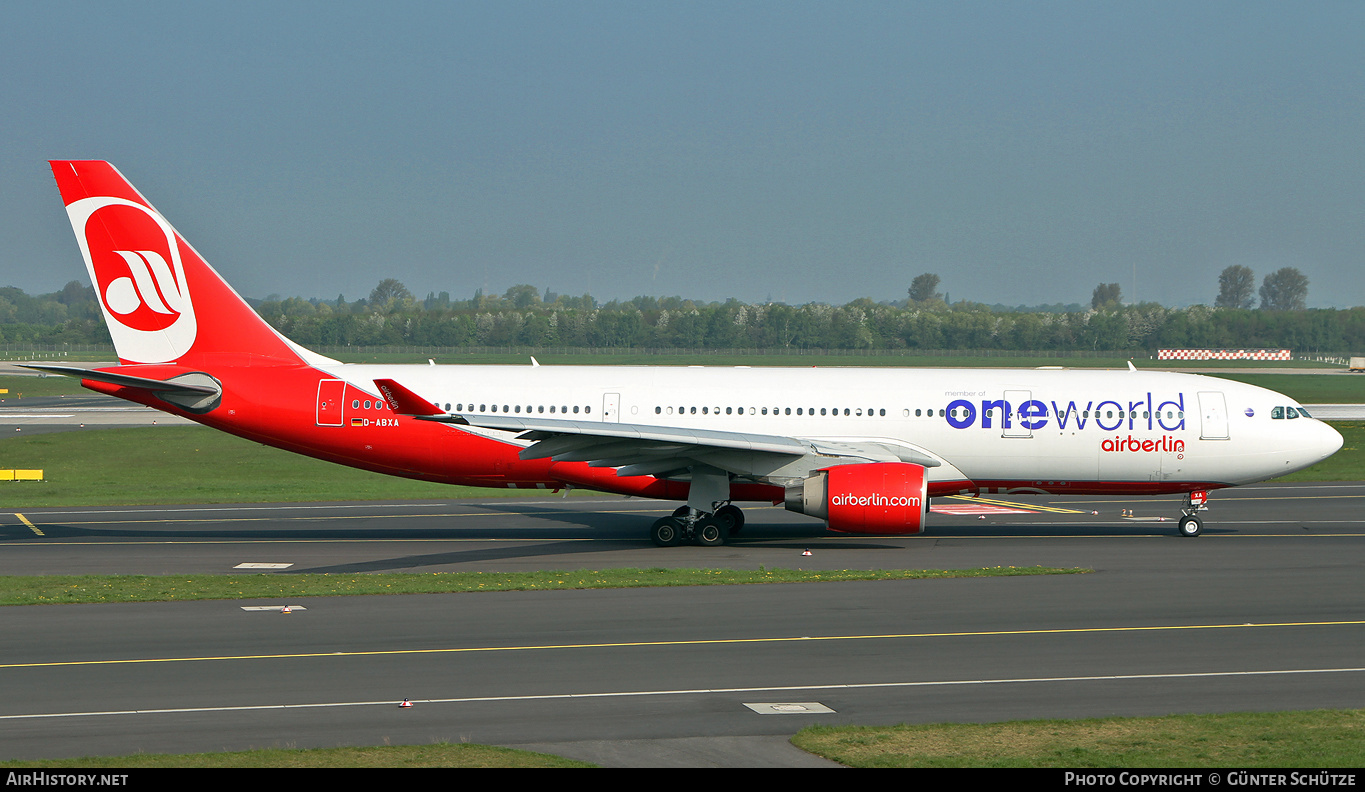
(331, 396)
(611, 407)
(1013, 424)
(1213, 416)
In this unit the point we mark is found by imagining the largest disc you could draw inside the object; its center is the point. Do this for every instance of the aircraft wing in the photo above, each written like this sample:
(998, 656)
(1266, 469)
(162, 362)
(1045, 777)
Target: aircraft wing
(648, 449)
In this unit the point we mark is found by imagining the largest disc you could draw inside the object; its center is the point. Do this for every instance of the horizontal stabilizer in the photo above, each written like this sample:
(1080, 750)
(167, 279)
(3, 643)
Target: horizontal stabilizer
(194, 391)
(126, 380)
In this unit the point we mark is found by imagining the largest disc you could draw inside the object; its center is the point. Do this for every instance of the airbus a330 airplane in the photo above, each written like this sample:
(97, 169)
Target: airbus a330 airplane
(862, 449)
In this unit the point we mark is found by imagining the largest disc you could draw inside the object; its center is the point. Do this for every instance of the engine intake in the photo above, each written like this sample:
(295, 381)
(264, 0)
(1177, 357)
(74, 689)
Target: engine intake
(870, 498)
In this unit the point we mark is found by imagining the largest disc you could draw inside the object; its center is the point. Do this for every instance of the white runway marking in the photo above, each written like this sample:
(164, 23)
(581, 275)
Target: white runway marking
(696, 691)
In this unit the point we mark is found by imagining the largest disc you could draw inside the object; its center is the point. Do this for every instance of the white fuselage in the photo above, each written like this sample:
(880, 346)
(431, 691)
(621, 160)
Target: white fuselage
(1050, 430)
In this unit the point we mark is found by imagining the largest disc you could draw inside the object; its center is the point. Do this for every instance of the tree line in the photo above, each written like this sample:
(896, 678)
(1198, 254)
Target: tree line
(526, 316)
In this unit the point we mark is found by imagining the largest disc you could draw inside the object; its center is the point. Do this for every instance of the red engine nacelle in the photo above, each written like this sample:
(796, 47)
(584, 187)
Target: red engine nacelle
(875, 498)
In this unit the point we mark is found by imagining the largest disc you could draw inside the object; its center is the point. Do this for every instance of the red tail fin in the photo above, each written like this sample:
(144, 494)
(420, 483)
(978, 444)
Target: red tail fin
(163, 303)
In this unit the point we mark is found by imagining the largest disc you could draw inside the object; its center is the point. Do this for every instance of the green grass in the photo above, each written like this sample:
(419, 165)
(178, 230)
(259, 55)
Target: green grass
(1305, 388)
(435, 755)
(192, 464)
(628, 357)
(1312, 739)
(1309, 388)
(85, 589)
(22, 387)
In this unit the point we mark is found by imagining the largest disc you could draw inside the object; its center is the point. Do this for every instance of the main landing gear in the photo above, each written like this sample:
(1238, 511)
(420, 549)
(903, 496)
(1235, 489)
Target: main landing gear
(692, 526)
(1190, 524)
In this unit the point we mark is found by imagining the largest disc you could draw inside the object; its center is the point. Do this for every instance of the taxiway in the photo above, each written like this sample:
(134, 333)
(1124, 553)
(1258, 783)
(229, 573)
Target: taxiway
(1262, 612)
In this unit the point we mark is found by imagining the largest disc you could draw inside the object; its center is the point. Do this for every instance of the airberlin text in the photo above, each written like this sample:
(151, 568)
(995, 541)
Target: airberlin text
(1130, 443)
(1110, 415)
(875, 499)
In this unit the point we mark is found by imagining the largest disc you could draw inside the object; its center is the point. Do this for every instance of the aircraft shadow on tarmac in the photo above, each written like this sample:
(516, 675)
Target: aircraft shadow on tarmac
(567, 534)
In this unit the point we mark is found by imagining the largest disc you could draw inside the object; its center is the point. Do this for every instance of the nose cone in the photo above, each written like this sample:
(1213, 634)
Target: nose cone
(1327, 440)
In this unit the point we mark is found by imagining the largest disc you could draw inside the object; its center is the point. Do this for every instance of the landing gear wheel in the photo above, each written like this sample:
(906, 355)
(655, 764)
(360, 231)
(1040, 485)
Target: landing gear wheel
(666, 532)
(710, 532)
(731, 518)
(1190, 525)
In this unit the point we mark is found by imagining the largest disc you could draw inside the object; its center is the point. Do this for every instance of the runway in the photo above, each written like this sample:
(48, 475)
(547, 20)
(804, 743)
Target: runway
(1262, 612)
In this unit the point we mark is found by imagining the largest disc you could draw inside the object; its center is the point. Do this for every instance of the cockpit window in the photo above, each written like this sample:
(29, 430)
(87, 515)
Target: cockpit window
(1277, 413)
(1304, 413)
(1289, 412)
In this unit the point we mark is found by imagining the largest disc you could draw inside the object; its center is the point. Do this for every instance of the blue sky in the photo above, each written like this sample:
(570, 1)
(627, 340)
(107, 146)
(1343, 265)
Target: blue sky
(1023, 151)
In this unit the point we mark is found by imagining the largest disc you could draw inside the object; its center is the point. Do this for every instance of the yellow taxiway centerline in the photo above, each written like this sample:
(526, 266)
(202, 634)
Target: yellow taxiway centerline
(701, 642)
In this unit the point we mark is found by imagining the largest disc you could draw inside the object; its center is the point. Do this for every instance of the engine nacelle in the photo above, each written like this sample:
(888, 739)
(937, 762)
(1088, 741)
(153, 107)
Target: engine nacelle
(872, 498)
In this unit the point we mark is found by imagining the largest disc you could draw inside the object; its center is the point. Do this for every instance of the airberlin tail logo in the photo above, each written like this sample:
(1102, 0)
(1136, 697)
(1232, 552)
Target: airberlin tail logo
(134, 259)
(144, 297)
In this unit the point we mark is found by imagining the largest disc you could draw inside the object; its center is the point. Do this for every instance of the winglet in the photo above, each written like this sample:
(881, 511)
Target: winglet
(405, 402)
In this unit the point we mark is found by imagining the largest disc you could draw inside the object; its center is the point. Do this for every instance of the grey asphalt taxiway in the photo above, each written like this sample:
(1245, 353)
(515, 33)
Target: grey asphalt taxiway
(1265, 611)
